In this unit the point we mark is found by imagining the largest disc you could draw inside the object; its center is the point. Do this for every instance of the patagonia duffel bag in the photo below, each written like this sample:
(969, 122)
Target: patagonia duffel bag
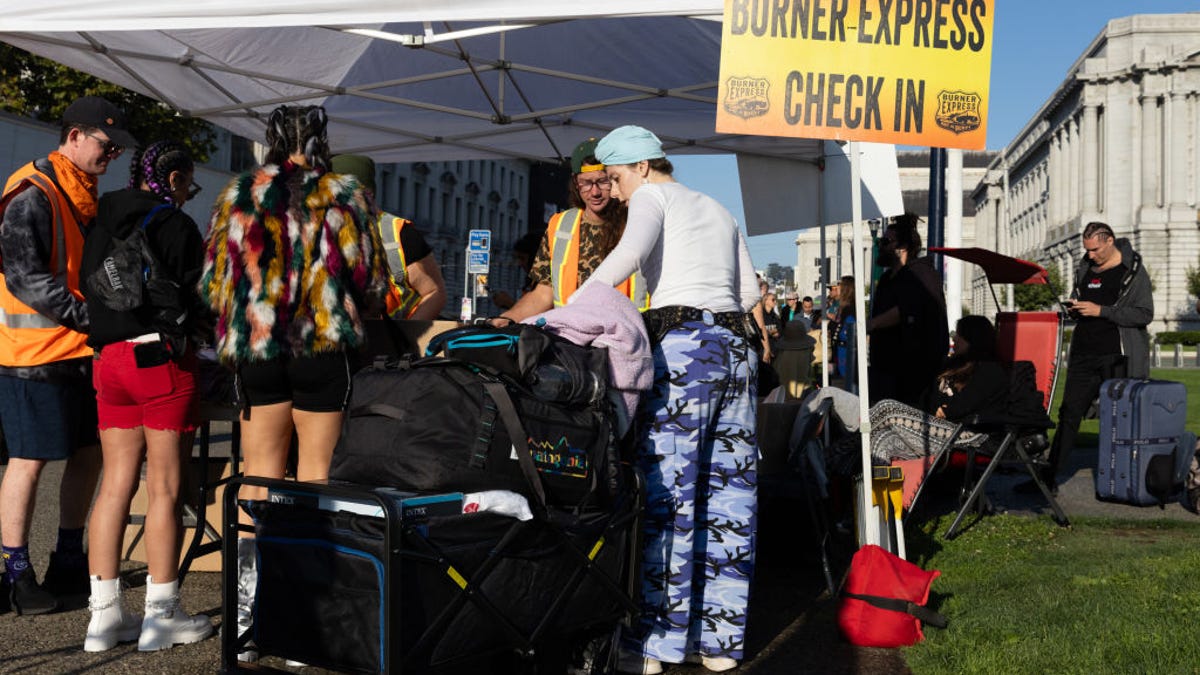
(439, 424)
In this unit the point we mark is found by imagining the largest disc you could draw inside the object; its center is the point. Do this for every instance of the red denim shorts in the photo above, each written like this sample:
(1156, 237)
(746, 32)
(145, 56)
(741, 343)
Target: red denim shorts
(158, 397)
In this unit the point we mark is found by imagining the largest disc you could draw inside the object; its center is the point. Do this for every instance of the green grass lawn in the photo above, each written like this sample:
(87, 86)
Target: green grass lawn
(1104, 596)
(1190, 377)
(1025, 596)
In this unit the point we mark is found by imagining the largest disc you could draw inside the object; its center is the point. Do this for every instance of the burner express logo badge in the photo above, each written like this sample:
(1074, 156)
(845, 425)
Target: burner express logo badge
(746, 97)
(958, 111)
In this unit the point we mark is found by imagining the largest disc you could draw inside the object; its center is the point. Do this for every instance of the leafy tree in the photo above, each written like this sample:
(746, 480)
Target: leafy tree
(1033, 297)
(35, 87)
(1193, 281)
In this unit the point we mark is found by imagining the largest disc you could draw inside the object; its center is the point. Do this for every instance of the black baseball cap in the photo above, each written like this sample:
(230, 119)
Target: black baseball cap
(94, 111)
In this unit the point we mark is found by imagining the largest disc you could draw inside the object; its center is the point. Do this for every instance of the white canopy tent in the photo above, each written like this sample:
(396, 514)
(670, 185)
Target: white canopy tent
(415, 81)
(430, 80)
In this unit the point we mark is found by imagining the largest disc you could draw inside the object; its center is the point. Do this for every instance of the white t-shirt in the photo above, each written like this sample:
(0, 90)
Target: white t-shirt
(687, 246)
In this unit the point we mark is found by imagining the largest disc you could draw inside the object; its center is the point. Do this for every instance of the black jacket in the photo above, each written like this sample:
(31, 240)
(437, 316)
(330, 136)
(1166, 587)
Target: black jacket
(178, 246)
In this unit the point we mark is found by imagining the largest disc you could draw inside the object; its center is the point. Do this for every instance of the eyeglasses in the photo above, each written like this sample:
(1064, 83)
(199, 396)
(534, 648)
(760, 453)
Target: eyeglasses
(588, 185)
(193, 190)
(109, 148)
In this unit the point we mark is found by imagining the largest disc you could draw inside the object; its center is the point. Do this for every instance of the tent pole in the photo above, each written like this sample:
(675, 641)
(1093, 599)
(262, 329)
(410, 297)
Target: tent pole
(823, 276)
(953, 266)
(862, 280)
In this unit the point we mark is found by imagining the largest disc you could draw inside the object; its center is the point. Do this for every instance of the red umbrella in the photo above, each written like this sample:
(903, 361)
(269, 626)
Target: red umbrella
(999, 268)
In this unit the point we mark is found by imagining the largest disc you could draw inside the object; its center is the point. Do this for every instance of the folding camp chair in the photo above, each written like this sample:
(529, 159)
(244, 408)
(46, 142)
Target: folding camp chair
(1031, 342)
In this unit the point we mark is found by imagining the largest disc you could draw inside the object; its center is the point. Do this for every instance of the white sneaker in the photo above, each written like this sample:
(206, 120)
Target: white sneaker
(166, 624)
(716, 664)
(630, 662)
(111, 622)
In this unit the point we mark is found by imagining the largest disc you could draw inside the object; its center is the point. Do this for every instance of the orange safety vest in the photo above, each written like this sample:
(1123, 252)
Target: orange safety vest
(26, 337)
(563, 235)
(402, 298)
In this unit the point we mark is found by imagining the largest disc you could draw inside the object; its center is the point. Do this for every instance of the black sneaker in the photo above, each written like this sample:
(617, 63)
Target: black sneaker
(4, 604)
(28, 597)
(67, 575)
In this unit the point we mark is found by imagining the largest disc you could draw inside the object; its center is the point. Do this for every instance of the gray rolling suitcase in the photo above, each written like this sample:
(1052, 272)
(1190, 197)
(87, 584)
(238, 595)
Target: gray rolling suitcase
(1141, 422)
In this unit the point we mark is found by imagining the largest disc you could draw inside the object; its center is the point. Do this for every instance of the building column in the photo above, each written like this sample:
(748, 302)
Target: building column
(1073, 172)
(1177, 149)
(1149, 146)
(1089, 144)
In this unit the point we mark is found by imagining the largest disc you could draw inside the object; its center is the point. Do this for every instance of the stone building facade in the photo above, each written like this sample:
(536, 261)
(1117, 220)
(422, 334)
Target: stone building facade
(1118, 142)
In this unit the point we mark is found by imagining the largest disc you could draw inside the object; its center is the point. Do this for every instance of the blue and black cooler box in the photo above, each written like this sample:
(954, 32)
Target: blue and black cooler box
(362, 579)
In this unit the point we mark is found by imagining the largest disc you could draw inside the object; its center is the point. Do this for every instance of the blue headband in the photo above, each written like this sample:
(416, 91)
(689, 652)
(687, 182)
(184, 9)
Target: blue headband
(628, 145)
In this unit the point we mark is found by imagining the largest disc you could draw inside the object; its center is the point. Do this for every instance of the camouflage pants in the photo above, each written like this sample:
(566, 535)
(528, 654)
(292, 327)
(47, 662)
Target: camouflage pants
(699, 459)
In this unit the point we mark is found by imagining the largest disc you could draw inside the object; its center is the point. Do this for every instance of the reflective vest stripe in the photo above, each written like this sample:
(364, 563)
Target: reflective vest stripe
(560, 250)
(25, 320)
(402, 299)
(60, 231)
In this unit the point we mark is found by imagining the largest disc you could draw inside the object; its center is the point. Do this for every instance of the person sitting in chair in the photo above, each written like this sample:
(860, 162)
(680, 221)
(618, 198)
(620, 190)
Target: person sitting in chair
(972, 382)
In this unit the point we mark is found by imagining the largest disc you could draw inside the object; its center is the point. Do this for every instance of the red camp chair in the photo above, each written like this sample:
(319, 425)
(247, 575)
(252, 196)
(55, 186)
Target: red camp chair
(1030, 343)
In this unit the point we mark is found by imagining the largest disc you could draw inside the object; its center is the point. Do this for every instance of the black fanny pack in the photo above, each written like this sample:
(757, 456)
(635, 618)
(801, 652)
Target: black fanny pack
(662, 320)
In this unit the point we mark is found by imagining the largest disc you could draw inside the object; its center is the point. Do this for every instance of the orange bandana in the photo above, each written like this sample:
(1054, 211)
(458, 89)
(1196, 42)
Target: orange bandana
(79, 186)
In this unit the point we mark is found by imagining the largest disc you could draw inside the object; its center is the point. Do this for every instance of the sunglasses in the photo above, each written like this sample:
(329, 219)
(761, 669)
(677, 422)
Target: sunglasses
(193, 190)
(110, 149)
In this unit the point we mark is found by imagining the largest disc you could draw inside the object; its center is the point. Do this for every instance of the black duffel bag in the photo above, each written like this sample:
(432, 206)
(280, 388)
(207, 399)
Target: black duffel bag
(440, 424)
(555, 368)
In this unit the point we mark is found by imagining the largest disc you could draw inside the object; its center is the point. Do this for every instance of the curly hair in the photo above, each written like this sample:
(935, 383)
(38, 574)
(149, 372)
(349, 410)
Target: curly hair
(152, 166)
(292, 129)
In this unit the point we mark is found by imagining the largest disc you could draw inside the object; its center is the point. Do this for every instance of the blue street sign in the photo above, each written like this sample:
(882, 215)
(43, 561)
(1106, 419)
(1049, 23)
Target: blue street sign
(480, 240)
(477, 262)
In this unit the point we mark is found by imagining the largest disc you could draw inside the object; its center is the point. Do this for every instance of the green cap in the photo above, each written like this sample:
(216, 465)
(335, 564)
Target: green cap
(582, 152)
(359, 166)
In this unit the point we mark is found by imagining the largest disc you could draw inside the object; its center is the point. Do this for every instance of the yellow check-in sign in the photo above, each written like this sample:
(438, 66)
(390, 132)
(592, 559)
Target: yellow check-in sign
(909, 72)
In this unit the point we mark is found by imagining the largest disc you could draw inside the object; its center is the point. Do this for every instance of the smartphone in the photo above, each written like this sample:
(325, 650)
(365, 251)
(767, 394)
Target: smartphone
(151, 354)
(1067, 305)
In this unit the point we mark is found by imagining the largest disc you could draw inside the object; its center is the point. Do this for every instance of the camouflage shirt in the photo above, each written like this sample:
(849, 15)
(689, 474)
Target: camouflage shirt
(591, 253)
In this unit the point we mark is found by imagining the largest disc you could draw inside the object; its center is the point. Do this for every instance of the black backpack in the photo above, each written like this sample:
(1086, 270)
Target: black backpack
(130, 276)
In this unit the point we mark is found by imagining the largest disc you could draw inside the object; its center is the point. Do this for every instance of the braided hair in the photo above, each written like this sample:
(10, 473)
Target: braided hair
(153, 165)
(301, 129)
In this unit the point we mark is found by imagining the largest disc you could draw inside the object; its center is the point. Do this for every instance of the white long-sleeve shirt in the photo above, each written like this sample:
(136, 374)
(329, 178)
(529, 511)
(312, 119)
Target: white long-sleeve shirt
(687, 246)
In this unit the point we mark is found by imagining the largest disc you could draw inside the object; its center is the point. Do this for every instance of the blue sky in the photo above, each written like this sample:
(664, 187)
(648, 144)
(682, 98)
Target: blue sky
(1036, 42)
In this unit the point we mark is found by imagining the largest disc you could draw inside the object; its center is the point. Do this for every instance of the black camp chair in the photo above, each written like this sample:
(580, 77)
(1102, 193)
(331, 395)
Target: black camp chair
(1019, 429)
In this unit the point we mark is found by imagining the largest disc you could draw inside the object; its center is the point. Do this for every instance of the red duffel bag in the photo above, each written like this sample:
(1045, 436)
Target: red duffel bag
(883, 601)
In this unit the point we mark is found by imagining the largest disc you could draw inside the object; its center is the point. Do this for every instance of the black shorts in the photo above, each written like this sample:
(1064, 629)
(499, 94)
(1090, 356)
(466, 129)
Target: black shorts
(318, 383)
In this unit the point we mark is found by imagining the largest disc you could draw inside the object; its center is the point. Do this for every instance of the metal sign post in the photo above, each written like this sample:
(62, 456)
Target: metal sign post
(479, 253)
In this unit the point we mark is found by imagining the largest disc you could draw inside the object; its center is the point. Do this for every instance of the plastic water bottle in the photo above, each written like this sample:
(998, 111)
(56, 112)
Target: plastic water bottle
(552, 382)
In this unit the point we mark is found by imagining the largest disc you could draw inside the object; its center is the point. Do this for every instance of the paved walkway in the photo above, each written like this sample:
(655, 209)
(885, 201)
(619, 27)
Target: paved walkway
(792, 627)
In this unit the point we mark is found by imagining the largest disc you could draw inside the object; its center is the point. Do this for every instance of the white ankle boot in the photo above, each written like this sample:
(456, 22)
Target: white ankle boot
(247, 589)
(166, 624)
(110, 623)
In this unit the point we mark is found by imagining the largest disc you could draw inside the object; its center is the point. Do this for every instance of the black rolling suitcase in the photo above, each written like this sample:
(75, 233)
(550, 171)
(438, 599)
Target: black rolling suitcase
(351, 580)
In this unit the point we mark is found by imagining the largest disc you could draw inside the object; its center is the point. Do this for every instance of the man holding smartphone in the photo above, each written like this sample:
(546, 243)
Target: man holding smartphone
(1112, 303)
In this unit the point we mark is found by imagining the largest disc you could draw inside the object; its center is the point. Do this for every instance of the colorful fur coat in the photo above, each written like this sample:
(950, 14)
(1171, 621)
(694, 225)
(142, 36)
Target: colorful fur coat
(292, 261)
